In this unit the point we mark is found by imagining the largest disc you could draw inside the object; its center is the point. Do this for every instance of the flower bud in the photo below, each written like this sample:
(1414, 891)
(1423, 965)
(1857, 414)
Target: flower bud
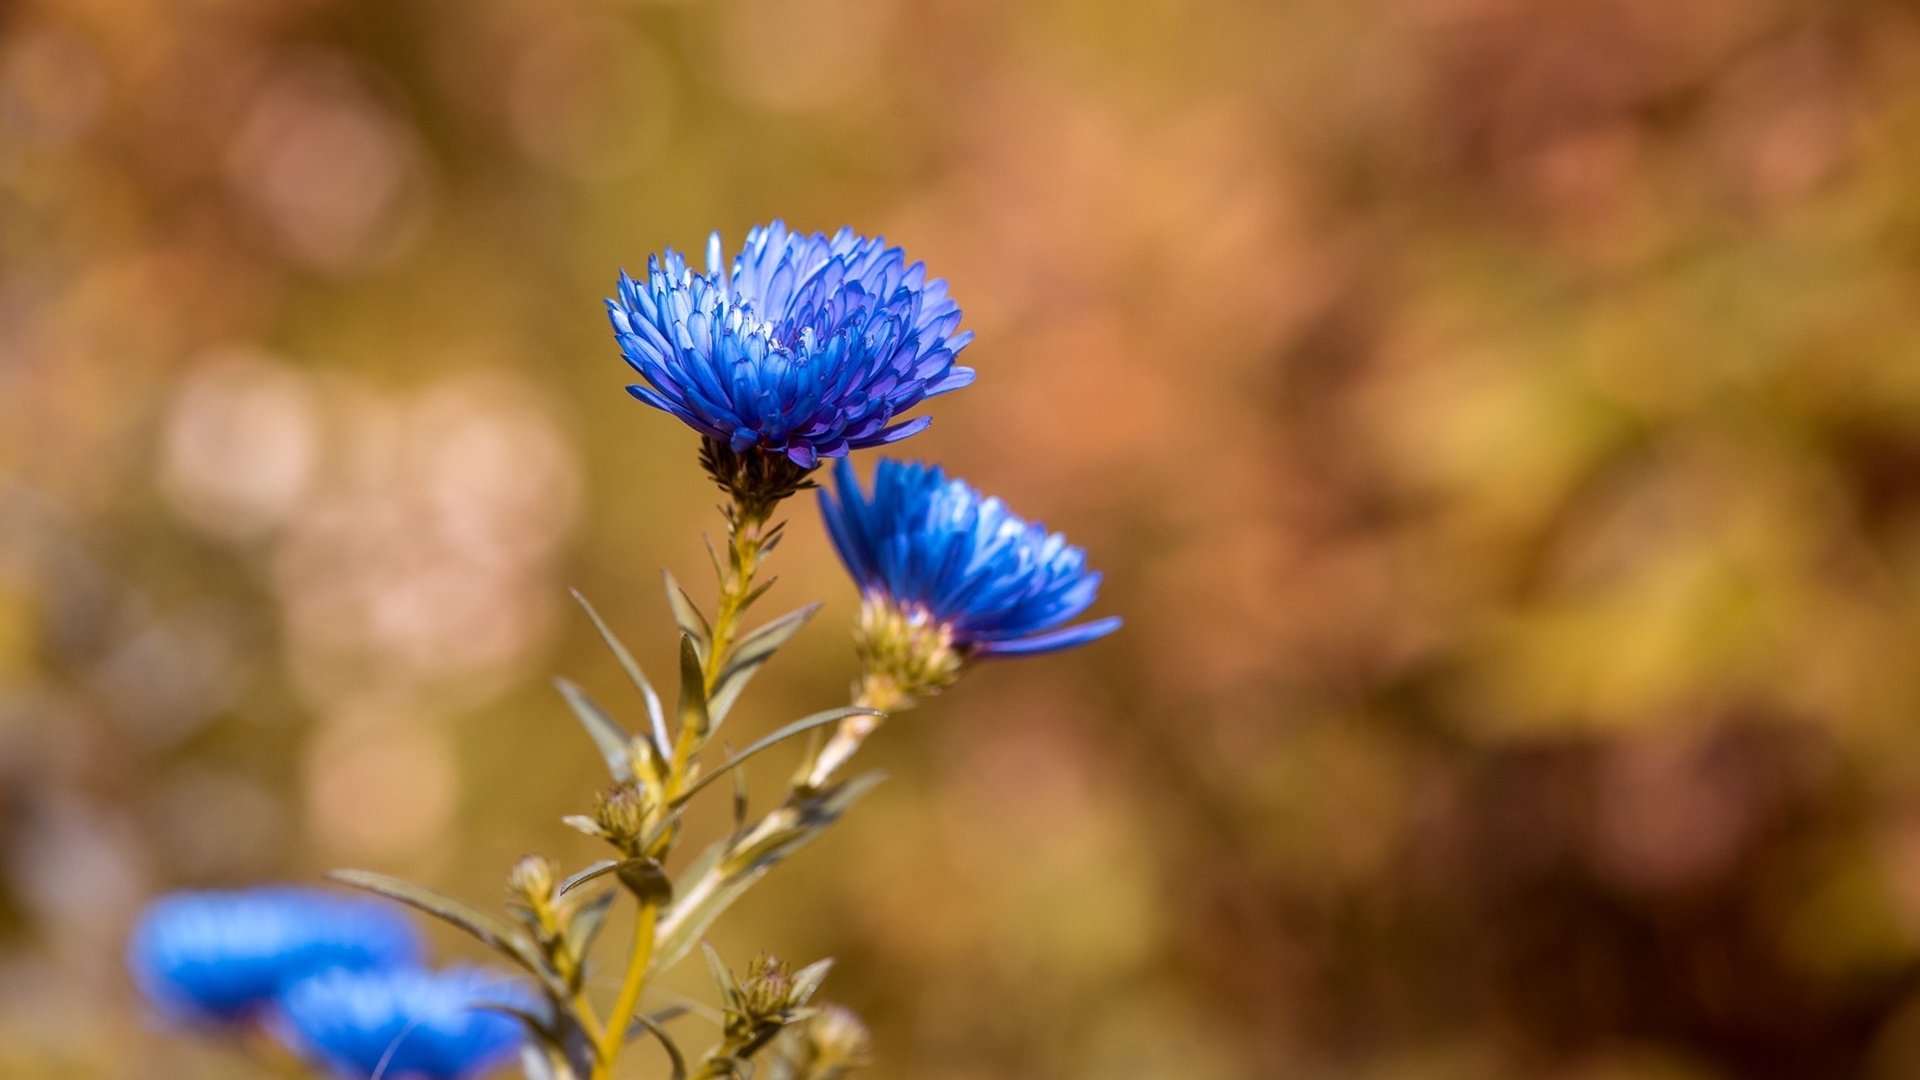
(767, 991)
(622, 814)
(837, 1040)
(532, 880)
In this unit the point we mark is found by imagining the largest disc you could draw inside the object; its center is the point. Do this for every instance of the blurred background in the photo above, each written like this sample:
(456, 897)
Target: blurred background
(1499, 421)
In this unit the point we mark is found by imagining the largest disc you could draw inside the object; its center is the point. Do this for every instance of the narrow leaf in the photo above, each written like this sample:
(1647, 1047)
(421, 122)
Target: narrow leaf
(490, 931)
(772, 739)
(692, 623)
(693, 692)
(615, 744)
(585, 824)
(632, 668)
(486, 929)
(758, 591)
(675, 1059)
(717, 888)
(754, 650)
(587, 922)
(539, 1024)
(723, 976)
(604, 866)
(807, 980)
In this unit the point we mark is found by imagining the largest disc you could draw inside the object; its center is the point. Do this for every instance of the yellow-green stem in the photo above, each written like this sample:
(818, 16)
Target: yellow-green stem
(746, 541)
(614, 1037)
(745, 538)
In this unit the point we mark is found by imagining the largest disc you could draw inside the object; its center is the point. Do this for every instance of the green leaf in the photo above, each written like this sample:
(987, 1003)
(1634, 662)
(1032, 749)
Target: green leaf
(675, 1059)
(736, 870)
(615, 744)
(585, 824)
(723, 976)
(588, 921)
(772, 739)
(484, 928)
(693, 693)
(758, 591)
(807, 980)
(490, 931)
(540, 1024)
(692, 623)
(604, 866)
(639, 678)
(753, 651)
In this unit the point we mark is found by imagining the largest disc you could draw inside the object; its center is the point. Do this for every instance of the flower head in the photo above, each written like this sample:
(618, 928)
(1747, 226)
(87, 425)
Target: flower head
(429, 1025)
(944, 567)
(216, 956)
(809, 346)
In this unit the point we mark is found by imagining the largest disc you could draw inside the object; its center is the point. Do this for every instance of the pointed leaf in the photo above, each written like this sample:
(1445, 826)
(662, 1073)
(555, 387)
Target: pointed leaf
(604, 866)
(585, 824)
(675, 1059)
(632, 668)
(693, 695)
(484, 928)
(758, 591)
(723, 976)
(540, 1024)
(587, 922)
(753, 651)
(488, 930)
(772, 739)
(806, 981)
(615, 744)
(715, 889)
(692, 623)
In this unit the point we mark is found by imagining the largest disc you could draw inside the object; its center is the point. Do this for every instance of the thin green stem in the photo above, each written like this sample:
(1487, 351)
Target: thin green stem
(614, 1037)
(746, 541)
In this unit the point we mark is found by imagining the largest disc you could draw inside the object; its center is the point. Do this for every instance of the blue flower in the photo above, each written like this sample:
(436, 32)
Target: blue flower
(408, 1023)
(220, 956)
(928, 546)
(810, 347)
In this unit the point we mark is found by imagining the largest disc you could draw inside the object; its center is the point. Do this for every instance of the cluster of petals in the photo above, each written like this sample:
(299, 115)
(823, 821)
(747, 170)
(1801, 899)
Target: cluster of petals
(928, 544)
(808, 345)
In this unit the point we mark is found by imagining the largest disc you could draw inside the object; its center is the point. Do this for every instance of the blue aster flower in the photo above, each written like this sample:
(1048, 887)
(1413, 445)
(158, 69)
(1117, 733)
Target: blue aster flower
(223, 956)
(429, 1025)
(809, 346)
(944, 556)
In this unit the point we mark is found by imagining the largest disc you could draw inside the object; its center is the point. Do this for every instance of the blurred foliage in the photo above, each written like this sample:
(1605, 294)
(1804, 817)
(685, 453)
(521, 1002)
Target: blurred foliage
(1499, 421)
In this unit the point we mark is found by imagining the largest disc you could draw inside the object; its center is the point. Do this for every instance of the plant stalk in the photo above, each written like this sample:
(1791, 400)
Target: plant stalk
(613, 1038)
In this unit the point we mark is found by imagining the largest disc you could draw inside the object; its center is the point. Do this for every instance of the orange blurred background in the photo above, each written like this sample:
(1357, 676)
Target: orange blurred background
(1499, 422)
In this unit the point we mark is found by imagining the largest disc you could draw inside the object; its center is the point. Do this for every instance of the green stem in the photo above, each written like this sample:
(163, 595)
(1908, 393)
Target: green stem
(613, 1038)
(746, 541)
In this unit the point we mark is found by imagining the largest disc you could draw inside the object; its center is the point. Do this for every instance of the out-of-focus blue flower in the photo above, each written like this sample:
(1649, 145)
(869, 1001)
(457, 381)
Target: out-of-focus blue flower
(405, 1023)
(926, 544)
(203, 956)
(810, 346)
